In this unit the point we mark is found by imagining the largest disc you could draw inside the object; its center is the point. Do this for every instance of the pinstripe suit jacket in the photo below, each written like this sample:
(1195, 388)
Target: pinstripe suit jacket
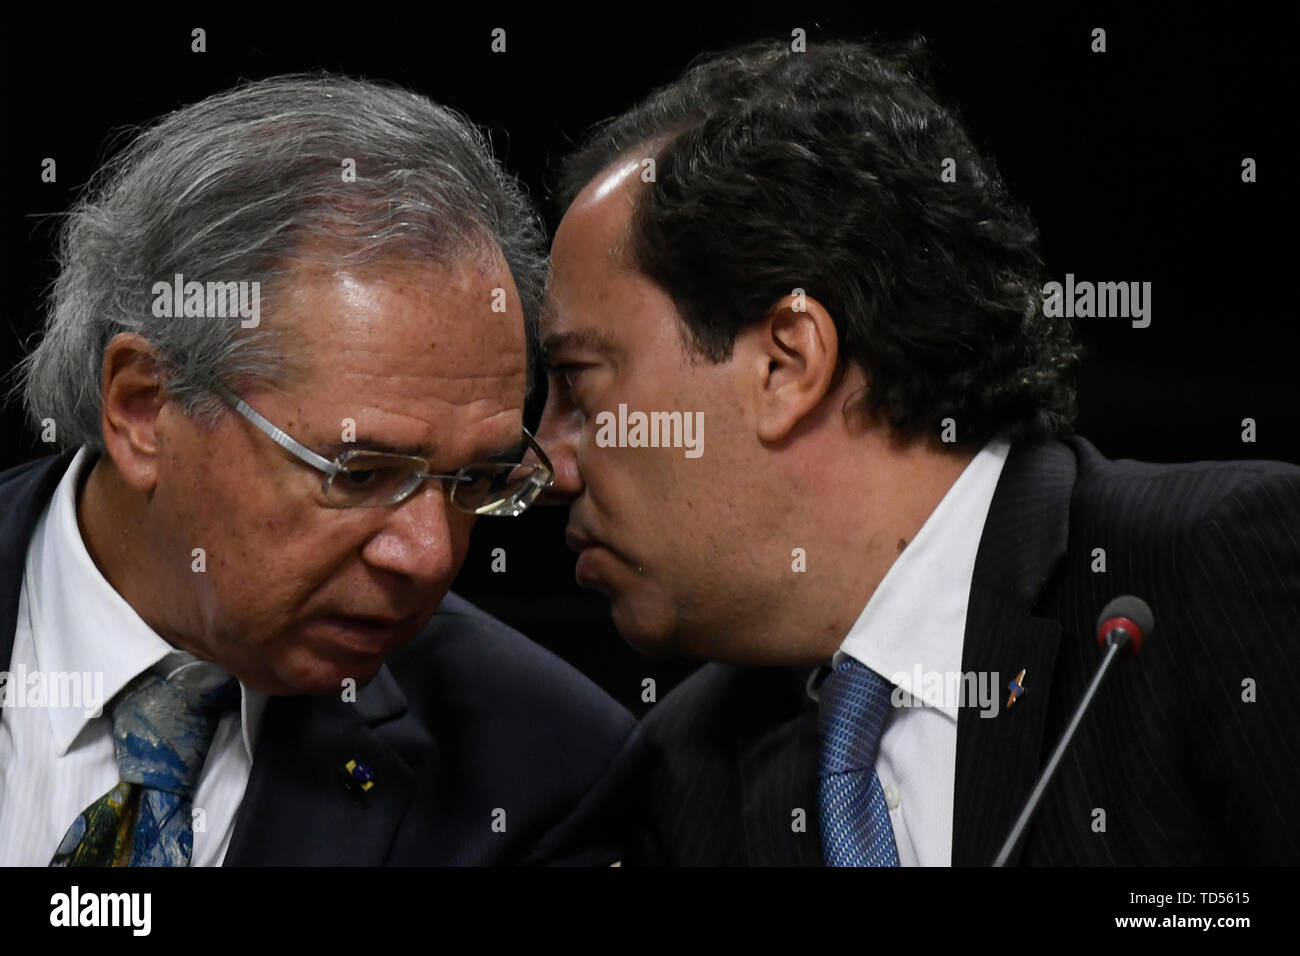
(1190, 754)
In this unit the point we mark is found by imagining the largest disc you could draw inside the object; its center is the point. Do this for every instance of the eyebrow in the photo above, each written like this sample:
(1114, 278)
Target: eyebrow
(332, 450)
(514, 453)
(578, 340)
(336, 448)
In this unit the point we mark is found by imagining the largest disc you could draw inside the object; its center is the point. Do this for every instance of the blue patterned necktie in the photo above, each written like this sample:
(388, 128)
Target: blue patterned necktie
(162, 730)
(854, 818)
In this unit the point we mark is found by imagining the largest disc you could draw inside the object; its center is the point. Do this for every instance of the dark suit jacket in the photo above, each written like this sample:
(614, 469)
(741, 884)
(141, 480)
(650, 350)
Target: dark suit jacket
(468, 718)
(1185, 770)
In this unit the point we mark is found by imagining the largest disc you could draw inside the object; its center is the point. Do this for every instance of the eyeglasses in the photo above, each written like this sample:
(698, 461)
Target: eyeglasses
(374, 479)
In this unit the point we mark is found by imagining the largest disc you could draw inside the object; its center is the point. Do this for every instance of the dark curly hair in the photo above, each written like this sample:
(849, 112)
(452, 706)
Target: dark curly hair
(822, 170)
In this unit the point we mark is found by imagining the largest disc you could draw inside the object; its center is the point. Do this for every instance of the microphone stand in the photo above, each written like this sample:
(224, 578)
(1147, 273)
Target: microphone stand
(1117, 641)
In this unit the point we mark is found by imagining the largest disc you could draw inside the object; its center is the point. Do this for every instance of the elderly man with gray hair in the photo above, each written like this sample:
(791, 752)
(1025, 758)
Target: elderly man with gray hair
(286, 357)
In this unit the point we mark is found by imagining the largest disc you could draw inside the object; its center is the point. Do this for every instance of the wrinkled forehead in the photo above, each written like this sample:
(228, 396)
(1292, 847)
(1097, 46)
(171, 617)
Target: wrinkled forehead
(408, 313)
(407, 351)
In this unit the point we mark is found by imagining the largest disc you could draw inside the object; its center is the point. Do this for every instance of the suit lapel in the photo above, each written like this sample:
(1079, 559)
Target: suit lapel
(1024, 541)
(25, 496)
(296, 809)
(778, 775)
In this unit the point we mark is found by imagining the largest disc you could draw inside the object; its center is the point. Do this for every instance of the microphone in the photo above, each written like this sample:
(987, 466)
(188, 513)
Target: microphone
(1121, 628)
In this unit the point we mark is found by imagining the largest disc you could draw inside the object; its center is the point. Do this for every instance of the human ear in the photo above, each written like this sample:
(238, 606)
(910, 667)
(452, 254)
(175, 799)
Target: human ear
(131, 398)
(794, 352)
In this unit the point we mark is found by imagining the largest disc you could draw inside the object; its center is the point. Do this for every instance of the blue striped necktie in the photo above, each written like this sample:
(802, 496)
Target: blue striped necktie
(854, 818)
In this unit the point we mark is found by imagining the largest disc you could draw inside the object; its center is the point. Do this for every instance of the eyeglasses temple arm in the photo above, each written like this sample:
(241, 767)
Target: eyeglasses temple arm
(276, 435)
(546, 462)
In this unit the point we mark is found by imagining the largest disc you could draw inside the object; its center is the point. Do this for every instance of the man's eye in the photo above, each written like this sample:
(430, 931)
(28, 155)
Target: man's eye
(567, 373)
(359, 479)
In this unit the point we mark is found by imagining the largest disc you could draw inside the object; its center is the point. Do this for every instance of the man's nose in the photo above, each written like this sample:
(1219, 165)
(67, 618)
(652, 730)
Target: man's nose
(418, 540)
(558, 434)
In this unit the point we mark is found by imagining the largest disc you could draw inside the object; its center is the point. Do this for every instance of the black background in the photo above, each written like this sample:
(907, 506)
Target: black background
(1130, 161)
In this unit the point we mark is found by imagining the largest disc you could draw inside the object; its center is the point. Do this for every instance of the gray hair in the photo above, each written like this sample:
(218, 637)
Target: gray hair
(233, 186)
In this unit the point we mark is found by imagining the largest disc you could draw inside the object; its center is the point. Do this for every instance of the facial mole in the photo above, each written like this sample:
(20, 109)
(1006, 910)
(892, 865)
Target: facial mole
(902, 543)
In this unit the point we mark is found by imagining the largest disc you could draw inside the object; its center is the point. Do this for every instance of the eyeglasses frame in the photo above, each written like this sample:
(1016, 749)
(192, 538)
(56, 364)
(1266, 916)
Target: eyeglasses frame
(334, 468)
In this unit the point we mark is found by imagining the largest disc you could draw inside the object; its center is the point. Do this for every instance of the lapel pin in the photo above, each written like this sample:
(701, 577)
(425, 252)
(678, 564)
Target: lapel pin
(357, 776)
(1017, 687)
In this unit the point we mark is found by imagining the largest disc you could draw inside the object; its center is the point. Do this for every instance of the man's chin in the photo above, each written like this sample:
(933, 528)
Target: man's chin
(643, 618)
(333, 678)
(333, 675)
(334, 656)
(646, 632)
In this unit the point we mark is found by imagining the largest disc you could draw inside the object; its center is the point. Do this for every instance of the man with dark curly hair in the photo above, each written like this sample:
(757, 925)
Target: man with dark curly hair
(888, 545)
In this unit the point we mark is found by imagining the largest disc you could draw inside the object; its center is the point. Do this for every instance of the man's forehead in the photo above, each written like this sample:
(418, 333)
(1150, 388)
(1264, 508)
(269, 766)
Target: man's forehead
(587, 287)
(423, 429)
(578, 313)
(413, 313)
(618, 176)
(411, 354)
(433, 288)
(499, 438)
(598, 223)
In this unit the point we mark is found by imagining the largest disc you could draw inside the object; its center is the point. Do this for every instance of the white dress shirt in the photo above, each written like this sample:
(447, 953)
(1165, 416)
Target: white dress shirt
(75, 631)
(914, 625)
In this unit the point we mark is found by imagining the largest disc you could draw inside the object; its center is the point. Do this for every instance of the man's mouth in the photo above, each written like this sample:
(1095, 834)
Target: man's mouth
(595, 560)
(363, 634)
(577, 540)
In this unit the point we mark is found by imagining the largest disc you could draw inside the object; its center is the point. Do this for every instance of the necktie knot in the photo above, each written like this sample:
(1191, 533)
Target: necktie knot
(163, 727)
(854, 702)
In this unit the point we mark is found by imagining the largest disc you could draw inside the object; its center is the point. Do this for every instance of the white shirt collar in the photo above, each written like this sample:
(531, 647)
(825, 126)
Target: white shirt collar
(81, 625)
(914, 625)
